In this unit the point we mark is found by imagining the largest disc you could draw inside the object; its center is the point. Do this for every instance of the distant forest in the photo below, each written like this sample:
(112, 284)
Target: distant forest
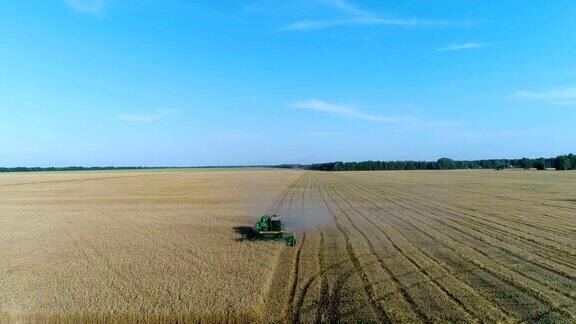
(561, 162)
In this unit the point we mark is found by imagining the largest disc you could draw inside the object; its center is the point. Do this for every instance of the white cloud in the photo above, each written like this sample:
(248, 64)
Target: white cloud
(348, 111)
(307, 25)
(145, 118)
(346, 7)
(559, 96)
(323, 106)
(355, 16)
(463, 46)
(93, 7)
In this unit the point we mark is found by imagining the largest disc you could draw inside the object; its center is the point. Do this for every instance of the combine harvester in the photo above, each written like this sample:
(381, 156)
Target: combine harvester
(270, 228)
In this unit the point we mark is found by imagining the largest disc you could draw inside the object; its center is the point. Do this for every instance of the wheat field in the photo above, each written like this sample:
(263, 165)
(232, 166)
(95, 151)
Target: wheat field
(413, 246)
(134, 245)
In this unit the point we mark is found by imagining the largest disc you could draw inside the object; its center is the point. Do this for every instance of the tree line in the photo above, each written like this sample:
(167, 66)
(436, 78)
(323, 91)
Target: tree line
(561, 162)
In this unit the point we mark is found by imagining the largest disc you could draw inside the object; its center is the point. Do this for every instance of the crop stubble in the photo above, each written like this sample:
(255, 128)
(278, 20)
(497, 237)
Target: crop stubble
(463, 246)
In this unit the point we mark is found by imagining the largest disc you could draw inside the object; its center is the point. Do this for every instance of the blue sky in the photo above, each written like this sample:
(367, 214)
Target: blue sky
(176, 83)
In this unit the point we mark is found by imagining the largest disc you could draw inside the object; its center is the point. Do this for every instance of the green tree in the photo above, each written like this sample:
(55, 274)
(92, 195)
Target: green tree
(572, 158)
(445, 164)
(562, 162)
(540, 164)
(525, 163)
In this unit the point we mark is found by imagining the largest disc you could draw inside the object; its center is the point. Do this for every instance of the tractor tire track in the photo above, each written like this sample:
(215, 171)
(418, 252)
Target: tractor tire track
(358, 266)
(501, 197)
(290, 312)
(267, 289)
(510, 217)
(322, 305)
(453, 298)
(520, 254)
(472, 218)
(399, 285)
(530, 202)
(441, 220)
(541, 227)
(329, 301)
(285, 192)
(538, 227)
(526, 287)
(438, 262)
(296, 309)
(336, 296)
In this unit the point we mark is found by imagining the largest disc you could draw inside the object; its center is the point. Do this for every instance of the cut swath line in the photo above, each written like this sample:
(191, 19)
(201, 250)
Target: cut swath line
(440, 220)
(525, 287)
(357, 265)
(268, 292)
(398, 285)
(451, 296)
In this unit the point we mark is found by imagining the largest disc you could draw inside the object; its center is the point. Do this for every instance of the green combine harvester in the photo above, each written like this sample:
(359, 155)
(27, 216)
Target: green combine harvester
(270, 228)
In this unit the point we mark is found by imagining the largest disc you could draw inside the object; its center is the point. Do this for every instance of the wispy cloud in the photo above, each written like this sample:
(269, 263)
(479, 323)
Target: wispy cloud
(349, 111)
(355, 16)
(145, 118)
(346, 7)
(463, 46)
(558, 96)
(92, 7)
(307, 25)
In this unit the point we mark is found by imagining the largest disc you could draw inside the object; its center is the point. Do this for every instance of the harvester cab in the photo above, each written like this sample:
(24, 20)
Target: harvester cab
(270, 228)
(269, 223)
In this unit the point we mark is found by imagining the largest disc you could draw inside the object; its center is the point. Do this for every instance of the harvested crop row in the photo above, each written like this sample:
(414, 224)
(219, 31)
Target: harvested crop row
(417, 258)
(493, 246)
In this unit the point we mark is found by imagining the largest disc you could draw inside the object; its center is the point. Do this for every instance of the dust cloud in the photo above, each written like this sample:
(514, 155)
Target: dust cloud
(304, 209)
(298, 202)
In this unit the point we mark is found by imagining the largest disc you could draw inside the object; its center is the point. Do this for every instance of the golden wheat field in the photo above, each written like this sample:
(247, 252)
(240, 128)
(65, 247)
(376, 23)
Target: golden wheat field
(413, 246)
